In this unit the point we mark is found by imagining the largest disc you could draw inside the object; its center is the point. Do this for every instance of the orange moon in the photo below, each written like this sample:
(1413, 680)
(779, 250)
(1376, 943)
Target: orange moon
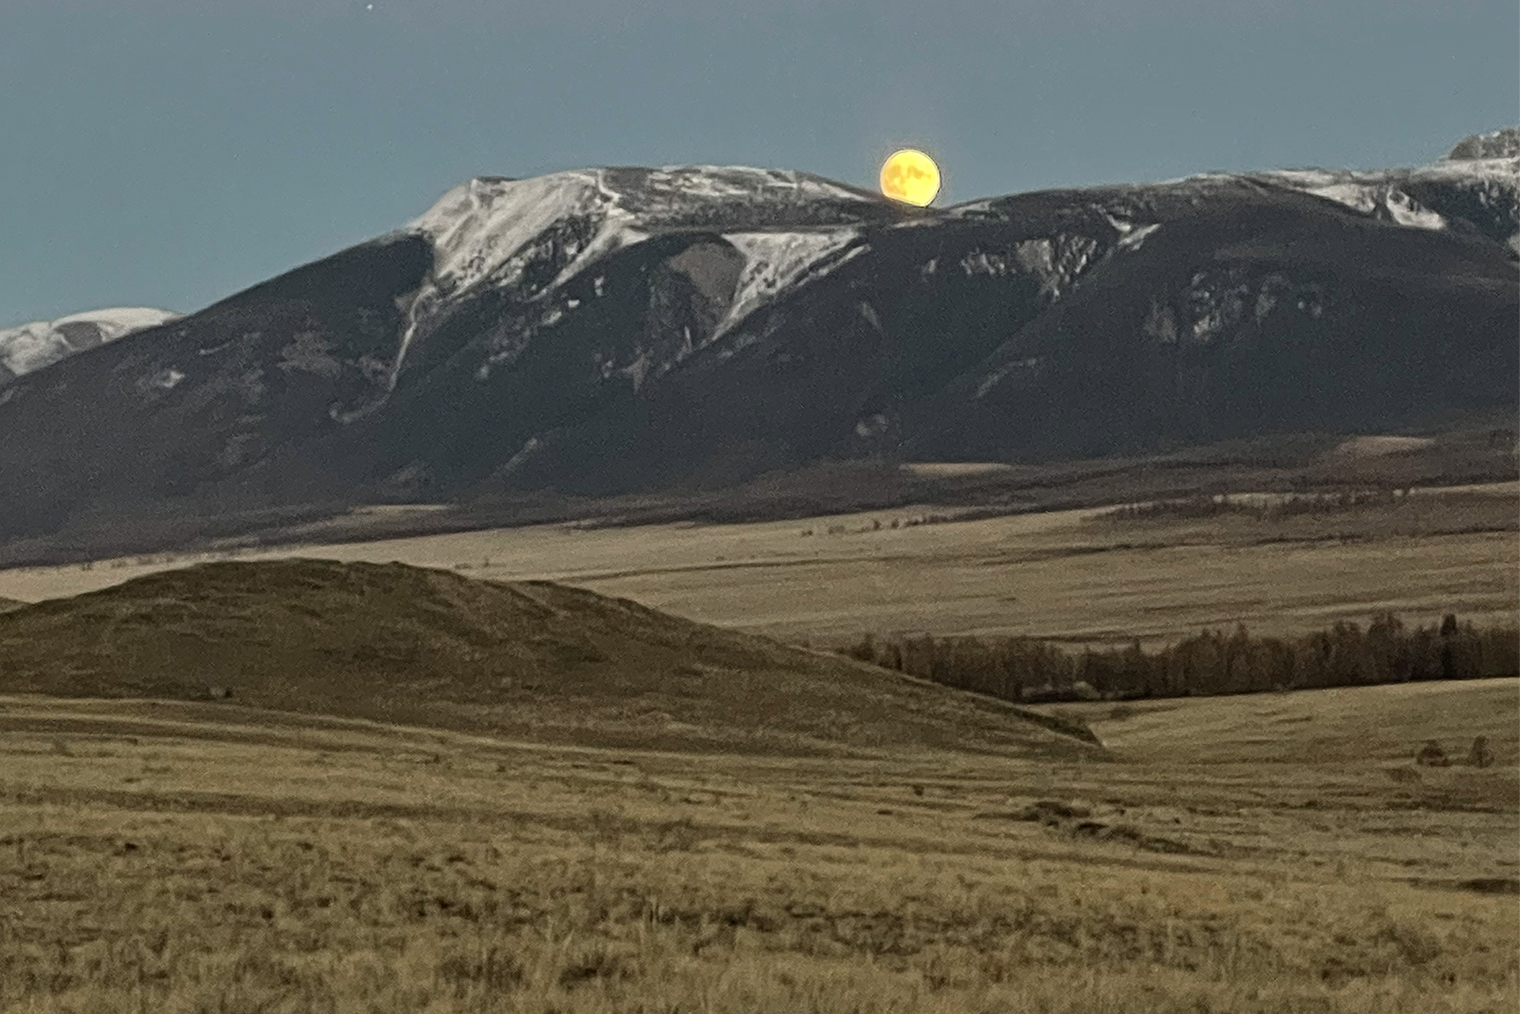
(910, 176)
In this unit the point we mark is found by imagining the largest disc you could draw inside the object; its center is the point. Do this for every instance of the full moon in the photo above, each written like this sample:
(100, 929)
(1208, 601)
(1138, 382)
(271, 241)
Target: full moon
(910, 176)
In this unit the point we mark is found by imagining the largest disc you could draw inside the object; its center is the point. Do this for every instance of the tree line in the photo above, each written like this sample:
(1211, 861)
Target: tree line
(1035, 671)
(1206, 505)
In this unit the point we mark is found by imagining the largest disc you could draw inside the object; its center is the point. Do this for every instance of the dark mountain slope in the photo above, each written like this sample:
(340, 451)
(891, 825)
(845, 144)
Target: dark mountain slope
(162, 413)
(1273, 312)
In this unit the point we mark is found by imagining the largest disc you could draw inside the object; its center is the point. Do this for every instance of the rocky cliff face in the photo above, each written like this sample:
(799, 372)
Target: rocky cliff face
(616, 329)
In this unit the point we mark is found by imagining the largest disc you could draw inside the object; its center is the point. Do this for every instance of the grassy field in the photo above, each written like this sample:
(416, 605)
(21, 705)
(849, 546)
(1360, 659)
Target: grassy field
(1339, 725)
(1074, 575)
(1268, 854)
(1473, 449)
(431, 794)
(528, 660)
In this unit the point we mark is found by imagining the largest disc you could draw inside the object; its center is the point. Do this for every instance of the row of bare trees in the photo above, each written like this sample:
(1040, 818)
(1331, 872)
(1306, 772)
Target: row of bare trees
(1347, 654)
(1207, 506)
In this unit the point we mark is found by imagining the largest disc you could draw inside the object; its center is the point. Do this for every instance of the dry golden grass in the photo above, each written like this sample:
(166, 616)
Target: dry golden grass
(1330, 726)
(1261, 518)
(530, 659)
(173, 857)
(1060, 574)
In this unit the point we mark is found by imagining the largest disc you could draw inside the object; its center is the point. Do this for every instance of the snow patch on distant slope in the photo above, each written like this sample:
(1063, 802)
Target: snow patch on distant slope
(488, 230)
(32, 346)
(1369, 193)
(483, 232)
(774, 261)
(671, 188)
(1405, 210)
(480, 226)
(1131, 236)
(1488, 188)
(117, 321)
(1501, 143)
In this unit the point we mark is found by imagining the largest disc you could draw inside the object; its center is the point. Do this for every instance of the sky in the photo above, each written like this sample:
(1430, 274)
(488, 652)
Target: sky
(169, 153)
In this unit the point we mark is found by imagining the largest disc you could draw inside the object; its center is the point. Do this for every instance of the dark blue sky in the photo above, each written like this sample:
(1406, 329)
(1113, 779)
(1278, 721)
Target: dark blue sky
(171, 152)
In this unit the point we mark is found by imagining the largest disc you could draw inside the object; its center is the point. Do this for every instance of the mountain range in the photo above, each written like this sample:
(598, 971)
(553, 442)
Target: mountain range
(621, 329)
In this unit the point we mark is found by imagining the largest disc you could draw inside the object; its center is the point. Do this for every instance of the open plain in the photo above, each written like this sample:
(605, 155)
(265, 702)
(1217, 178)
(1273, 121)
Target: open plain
(1266, 853)
(1077, 576)
(1275, 852)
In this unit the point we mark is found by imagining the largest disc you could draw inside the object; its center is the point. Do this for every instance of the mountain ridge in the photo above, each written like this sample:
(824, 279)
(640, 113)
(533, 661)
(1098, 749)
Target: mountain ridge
(611, 330)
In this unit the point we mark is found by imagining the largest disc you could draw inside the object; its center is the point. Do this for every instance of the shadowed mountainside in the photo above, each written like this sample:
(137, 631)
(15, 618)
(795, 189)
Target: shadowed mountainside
(531, 660)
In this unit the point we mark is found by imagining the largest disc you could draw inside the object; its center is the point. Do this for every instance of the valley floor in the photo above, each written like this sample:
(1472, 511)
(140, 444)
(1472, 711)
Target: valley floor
(1078, 575)
(1253, 854)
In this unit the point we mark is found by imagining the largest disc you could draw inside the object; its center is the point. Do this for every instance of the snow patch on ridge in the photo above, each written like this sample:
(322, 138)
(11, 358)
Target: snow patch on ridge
(1131, 236)
(1501, 143)
(120, 320)
(32, 346)
(1494, 182)
(1057, 262)
(1405, 210)
(671, 187)
(1364, 192)
(774, 261)
(488, 230)
(479, 226)
(480, 229)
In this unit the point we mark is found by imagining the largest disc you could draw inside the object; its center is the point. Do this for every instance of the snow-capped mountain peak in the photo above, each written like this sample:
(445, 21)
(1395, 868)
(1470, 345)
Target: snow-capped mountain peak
(1501, 143)
(481, 228)
(531, 236)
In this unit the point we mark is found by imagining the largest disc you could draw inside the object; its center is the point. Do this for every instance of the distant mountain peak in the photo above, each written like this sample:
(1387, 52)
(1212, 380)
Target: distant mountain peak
(29, 347)
(1501, 143)
(480, 227)
(530, 236)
